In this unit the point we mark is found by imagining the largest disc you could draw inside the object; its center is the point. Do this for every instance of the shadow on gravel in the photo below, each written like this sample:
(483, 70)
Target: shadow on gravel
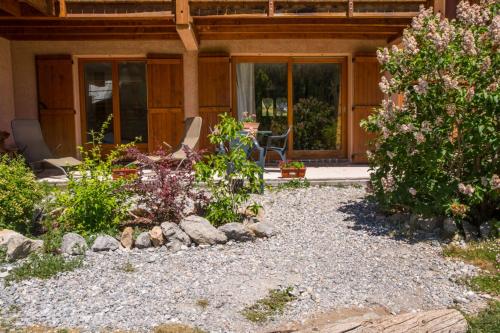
(366, 217)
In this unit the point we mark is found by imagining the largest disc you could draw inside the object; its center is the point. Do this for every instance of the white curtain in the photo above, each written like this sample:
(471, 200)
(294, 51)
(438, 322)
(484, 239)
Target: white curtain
(245, 87)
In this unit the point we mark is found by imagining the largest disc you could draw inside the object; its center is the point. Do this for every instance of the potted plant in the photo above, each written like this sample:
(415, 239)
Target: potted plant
(292, 169)
(250, 122)
(128, 171)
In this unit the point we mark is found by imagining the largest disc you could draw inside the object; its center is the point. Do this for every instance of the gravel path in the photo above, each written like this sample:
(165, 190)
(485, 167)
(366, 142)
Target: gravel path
(329, 248)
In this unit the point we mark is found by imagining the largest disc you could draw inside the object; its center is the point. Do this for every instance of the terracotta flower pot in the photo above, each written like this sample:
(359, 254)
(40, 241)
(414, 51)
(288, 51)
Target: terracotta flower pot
(124, 173)
(293, 172)
(251, 127)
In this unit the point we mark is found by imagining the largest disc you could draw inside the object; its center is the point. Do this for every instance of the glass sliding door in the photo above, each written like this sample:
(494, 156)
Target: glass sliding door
(307, 94)
(118, 88)
(317, 122)
(99, 98)
(262, 92)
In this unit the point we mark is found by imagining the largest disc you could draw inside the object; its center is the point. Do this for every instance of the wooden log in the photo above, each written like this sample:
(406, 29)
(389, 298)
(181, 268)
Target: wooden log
(436, 321)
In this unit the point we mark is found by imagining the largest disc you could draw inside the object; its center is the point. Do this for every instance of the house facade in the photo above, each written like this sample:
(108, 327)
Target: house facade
(305, 64)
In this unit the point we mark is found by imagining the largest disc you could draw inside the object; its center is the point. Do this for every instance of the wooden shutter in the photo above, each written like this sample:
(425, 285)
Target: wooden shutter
(366, 97)
(56, 104)
(214, 84)
(165, 102)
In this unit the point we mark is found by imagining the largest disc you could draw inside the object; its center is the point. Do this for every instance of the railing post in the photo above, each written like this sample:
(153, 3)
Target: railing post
(270, 8)
(350, 8)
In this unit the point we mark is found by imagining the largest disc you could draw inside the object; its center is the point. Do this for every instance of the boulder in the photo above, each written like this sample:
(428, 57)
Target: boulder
(105, 243)
(201, 231)
(236, 231)
(427, 224)
(127, 238)
(449, 227)
(262, 229)
(73, 244)
(157, 238)
(6, 234)
(485, 230)
(471, 232)
(174, 234)
(18, 246)
(143, 240)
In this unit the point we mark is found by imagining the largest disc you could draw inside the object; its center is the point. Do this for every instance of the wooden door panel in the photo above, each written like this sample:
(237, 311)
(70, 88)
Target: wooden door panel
(56, 103)
(214, 82)
(165, 103)
(366, 97)
(165, 128)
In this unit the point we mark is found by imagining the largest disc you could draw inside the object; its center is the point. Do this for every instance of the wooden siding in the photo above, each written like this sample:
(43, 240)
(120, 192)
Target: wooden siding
(55, 103)
(366, 97)
(165, 103)
(214, 85)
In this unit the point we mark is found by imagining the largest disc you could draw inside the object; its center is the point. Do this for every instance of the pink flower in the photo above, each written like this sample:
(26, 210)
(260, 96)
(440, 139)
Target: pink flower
(412, 191)
(470, 93)
(469, 44)
(494, 30)
(383, 56)
(388, 183)
(449, 82)
(384, 85)
(426, 126)
(451, 109)
(465, 189)
(410, 44)
(421, 87)
(495, 182)
(420, 137)
(405, 128)
(485, 66)
(472, 14)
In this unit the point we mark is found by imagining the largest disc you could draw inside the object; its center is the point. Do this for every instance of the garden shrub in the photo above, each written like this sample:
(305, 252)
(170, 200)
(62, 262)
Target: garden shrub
(20, 193)
(166, 196)
(437, 152)
(94, 202)
(229, 175)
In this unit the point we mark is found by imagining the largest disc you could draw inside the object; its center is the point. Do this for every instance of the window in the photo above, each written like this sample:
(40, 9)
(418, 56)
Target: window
(115, 88)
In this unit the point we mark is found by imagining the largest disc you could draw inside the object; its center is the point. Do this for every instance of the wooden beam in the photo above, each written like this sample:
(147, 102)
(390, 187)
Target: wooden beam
(10, 7)
(270, 8)
(184, 25)
(62, 8)
(350, 8)
(188, 36)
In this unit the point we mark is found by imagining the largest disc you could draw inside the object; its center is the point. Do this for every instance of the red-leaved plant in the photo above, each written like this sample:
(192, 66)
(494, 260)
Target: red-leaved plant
(166, 185)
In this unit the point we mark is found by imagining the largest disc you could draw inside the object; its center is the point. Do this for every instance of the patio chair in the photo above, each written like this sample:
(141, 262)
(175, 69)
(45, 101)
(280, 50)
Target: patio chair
(191, 138)
(29, 140)
(280, 149)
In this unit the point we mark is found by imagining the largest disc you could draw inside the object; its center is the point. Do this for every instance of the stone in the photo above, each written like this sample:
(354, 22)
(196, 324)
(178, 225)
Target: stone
(449, 227)
(174, 234)
(127, 238)
(201, 231)
(470, 231)
(485, 230)
(262, 229)
(143, 240)
(427, 224)
(6, 234)
(157, 238)
(73, 244)
(18, 246)
(260, 216)
(105, 243)
(236, 231)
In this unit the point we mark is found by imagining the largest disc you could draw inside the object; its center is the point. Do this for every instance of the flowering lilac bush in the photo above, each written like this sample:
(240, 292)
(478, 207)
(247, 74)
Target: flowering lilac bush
(437, 152)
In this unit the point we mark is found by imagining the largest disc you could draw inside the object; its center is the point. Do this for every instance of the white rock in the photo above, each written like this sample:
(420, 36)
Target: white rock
(236, 231)
(143, 241)
(201, 231)
(105, 243)
(262, 229)
(73, 244)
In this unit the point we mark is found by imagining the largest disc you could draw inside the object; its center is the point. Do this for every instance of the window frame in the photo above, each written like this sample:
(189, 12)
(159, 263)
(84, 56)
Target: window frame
(116, 100)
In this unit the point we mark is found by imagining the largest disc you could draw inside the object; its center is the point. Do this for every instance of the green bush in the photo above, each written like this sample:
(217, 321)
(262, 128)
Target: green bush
(229, 176)
(437, 153)
(94, 202)
(19, 194)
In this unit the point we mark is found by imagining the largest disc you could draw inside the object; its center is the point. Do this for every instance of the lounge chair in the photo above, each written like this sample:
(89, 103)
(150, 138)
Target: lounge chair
(191, 138)
(29, 140)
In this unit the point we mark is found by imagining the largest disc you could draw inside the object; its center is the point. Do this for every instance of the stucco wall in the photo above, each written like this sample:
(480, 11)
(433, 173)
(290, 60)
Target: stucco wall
(6, 87)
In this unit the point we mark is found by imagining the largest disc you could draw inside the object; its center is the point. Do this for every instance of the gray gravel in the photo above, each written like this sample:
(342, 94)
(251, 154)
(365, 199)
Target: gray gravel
(330, 247)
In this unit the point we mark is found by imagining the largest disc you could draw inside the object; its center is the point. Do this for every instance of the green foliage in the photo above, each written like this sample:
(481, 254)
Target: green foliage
(20, 193)
(487, 321)
(438, 152)
(315, 125)
(292, 184)
(269, 306)
(3, 255)
(42, 266)
(486, 283)
(229, 176)
(94, 202)
(292, 164)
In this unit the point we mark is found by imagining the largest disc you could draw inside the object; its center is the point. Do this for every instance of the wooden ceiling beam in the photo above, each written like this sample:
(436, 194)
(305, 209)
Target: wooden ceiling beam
(184, 25)
(83, 36)
(297, 28)
(10, 7)
(304, 35)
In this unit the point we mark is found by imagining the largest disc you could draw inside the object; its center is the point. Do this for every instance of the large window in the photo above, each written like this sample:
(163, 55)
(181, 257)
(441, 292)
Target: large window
(116, 88)
(306, 94)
